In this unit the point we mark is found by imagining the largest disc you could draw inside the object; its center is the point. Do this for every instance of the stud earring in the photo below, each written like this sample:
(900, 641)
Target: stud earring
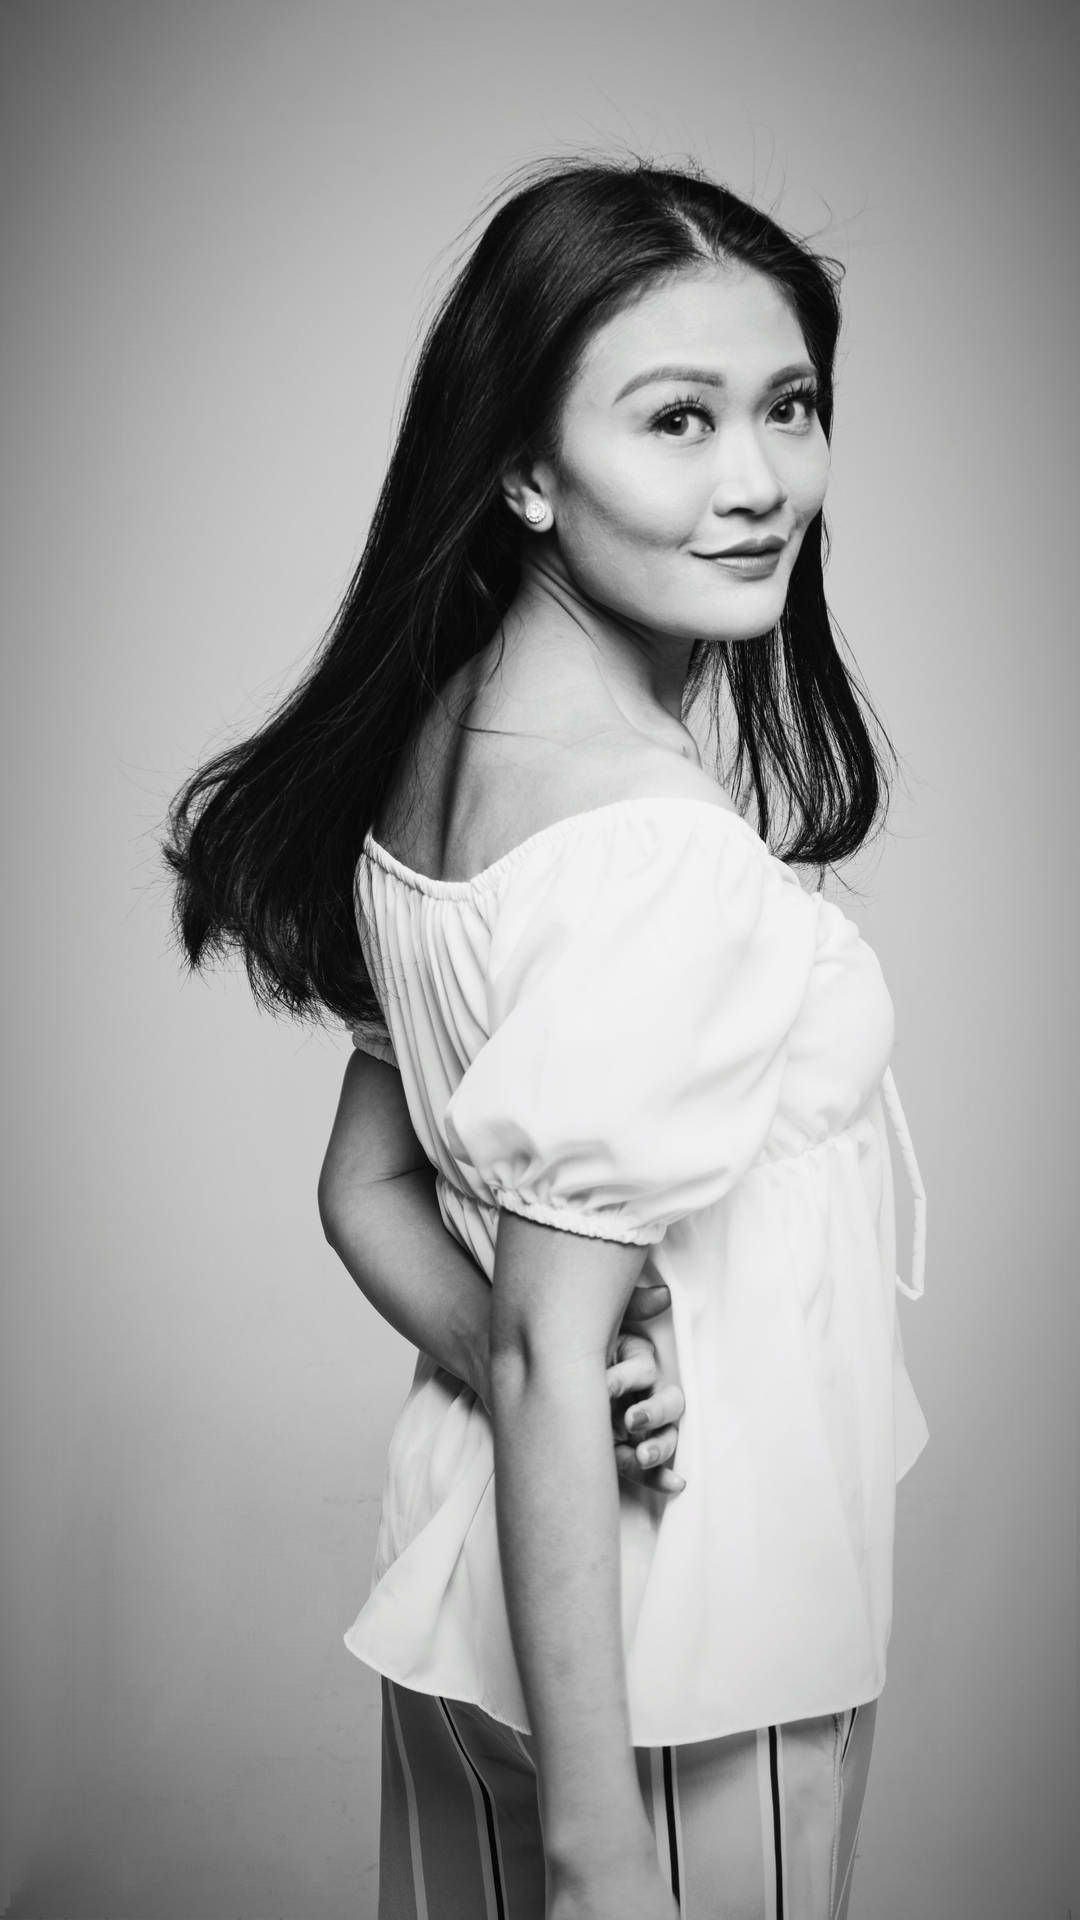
(535, 512)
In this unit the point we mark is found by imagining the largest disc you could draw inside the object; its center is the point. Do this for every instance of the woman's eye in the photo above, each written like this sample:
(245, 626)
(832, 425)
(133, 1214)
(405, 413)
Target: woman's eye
(683, 422)
(795, 409)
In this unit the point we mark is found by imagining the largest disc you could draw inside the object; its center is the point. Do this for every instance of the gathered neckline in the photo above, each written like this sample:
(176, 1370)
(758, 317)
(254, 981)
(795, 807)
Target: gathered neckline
(489, 875)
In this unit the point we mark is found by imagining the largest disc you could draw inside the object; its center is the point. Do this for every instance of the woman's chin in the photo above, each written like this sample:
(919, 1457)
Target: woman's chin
(748, 613)
(755, 626)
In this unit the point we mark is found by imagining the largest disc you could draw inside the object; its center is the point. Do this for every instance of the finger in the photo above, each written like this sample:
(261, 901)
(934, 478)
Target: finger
(655, 1451)
(665, 1480)
(660, 1479)
(658, 1449)
(646, 1301)
(634, 1370)
(660, 1409)
(629, 1346)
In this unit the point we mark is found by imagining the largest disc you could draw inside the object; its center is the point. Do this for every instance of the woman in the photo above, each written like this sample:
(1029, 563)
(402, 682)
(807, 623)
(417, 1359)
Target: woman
(632, 1047)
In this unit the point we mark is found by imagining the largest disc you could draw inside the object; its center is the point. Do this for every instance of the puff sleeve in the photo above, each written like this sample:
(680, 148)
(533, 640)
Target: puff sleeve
(645, 978)
(373, 1036)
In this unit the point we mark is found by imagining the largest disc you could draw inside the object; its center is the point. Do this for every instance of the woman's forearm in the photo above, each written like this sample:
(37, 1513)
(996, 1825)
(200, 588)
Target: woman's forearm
(390, 1235)
(560, 1556)
(381, 1216)
(560, 1562)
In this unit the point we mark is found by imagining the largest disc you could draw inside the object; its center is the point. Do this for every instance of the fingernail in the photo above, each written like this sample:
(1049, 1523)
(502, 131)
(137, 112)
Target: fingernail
(648, 1456)
(636, 1417)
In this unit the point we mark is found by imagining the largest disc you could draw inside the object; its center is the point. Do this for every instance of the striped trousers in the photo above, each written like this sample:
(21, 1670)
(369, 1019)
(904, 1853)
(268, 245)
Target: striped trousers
(756, 1826)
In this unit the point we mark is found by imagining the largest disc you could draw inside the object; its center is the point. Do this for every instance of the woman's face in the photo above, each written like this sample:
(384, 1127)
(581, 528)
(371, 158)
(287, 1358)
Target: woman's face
(689, 437)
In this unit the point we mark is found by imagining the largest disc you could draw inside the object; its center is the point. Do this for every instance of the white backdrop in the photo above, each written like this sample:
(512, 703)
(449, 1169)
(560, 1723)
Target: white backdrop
(220, 224)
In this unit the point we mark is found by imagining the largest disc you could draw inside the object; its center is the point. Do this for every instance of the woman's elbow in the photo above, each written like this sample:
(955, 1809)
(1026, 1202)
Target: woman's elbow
(544, 1361)
(334, 1193)
(508, 1369)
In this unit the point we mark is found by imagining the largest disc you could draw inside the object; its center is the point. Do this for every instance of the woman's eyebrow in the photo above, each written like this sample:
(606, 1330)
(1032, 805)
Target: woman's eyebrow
(708, 377)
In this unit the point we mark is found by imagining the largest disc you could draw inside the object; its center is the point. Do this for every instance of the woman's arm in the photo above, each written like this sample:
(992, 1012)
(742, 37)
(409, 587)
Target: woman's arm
(381, 1216)
(558, 1301)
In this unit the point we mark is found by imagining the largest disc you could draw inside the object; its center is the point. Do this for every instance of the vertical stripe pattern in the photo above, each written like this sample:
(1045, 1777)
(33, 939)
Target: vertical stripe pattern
(856, 1766)
(487, 1831)
(777, 1799)
(654, 1801)
(765, 1822)
(416, 1857)
(671, 1817)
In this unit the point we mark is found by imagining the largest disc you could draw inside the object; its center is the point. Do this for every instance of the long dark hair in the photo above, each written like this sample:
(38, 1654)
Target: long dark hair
(265, 838)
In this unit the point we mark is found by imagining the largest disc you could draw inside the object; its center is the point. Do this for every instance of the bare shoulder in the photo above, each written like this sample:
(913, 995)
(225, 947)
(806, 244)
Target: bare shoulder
(567, 781)
(483, 794)
(657, 773)
(631, 770)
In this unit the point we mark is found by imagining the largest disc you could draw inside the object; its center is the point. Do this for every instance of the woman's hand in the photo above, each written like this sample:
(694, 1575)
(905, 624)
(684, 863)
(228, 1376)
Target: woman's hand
(646, 1407)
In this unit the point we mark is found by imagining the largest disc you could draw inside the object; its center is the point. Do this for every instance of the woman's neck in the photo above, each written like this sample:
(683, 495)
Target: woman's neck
(554, 638)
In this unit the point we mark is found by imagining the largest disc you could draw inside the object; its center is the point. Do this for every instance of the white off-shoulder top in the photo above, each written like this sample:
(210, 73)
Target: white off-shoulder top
(639, 1026)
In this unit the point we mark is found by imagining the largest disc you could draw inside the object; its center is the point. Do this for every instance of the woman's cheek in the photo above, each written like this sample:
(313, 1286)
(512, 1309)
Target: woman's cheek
(624, 568)
(816, 478)
(634, 496)
(614, 538)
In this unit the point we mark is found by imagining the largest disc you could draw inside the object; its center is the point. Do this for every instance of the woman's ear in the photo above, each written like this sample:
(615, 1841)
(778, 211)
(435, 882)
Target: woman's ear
(526, 496)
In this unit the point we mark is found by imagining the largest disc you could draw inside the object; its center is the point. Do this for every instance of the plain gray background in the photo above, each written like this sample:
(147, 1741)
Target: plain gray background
(221, 223)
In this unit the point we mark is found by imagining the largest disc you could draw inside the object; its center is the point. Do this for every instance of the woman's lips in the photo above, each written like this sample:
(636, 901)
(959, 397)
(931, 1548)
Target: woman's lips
(747, 566)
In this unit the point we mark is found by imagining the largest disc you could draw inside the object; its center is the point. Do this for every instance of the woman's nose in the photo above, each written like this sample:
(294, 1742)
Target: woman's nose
(745, 477)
